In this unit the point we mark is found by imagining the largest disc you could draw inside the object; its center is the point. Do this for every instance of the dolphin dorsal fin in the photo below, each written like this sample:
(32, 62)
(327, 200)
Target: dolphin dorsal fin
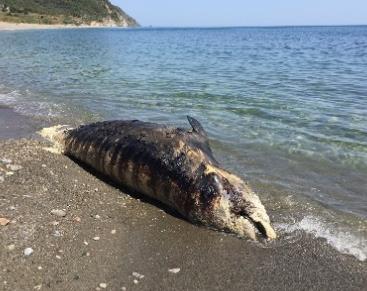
(196, 126)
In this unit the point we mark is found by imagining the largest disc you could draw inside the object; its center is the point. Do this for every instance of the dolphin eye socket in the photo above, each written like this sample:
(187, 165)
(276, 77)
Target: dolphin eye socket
(216, 180)
(210, 188)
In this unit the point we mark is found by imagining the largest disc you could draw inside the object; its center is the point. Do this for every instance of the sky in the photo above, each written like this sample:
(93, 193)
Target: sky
(245, 12)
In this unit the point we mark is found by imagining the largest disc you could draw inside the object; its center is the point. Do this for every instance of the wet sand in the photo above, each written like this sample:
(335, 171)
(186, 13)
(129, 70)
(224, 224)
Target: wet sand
(14, 125)
(135, 236)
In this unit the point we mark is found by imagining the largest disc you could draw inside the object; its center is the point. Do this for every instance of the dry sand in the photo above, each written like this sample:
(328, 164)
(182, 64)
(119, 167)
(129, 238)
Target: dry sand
(27, 26)
(8, 26)
(135, 236)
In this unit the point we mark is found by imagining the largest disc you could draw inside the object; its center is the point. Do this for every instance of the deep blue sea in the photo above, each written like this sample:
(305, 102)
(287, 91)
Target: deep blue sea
(285, 108)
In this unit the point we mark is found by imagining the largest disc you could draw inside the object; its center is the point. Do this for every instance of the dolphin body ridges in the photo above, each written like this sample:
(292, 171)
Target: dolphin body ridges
(172, 165)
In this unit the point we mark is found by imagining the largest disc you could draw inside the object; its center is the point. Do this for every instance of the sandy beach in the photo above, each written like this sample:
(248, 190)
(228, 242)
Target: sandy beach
(7, 26)
(67, 229)
(27, 26)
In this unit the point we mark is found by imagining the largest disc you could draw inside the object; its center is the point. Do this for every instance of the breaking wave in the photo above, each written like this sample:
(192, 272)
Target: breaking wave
(340, 238)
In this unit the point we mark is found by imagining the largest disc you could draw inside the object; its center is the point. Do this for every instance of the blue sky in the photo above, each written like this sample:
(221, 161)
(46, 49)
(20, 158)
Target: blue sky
(245, 12)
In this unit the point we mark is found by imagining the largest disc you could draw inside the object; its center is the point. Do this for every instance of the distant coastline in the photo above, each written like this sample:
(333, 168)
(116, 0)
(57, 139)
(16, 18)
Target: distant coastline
(71, 13)
(11, 26)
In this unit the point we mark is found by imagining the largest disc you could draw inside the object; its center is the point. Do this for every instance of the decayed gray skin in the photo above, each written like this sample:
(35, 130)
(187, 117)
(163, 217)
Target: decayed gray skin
(174, 166)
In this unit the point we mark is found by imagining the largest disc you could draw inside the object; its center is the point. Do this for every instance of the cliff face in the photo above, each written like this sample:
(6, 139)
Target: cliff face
(76, 12)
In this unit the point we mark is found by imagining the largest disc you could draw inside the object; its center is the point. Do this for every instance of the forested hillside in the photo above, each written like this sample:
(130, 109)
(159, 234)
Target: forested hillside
(92, 12)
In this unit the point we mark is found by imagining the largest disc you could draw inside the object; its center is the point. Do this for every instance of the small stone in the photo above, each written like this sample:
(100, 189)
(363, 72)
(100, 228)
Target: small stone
(86, 243)
(10, 173)
(77, 219)
(103, 285)
(14, 168)
(137, 275)
(39, 268)
(97, 216)
(4, 221)
(96, 189)
(174, 270)
(58, 257)
(123, 288)
(58, 212)
(136, 281)
(57, 233)
(12, 208)
(113, 231)
(37, 287)
(28, 251)
(11, 247)
(43, 166)
(6, 161)
(96, 238)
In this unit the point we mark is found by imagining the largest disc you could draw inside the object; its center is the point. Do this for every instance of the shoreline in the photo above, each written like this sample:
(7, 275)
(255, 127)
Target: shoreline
(12, 26)
(14, 125)
(107, 236)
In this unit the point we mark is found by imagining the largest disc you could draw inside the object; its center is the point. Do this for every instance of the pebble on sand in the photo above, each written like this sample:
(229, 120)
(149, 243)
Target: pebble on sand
(4, 221)
(113, 231)
(28, 251)
(6, 161)
(174, 270)
(137, 275)
(103, 285)
(96, 238)
(14, 168)
(58, 212)
(57, 233)
(11, 247)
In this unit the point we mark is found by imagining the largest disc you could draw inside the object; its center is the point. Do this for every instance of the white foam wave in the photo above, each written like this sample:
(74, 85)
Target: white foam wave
(338, 237)
(23, 103)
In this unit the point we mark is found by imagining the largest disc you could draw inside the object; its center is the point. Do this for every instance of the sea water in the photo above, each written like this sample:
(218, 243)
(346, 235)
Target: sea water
(284, 107)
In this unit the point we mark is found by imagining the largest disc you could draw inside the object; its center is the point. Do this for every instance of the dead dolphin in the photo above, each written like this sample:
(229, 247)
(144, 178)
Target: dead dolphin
(172, 165)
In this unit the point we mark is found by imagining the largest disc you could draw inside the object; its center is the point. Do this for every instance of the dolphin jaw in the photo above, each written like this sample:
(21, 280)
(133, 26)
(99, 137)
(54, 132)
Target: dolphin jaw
(248, 218)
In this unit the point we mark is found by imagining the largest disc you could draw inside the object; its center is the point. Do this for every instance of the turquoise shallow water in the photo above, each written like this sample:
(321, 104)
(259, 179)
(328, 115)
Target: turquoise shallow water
(285, 108)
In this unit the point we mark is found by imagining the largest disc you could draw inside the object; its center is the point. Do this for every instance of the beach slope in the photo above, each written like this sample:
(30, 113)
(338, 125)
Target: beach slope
(86, 234)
